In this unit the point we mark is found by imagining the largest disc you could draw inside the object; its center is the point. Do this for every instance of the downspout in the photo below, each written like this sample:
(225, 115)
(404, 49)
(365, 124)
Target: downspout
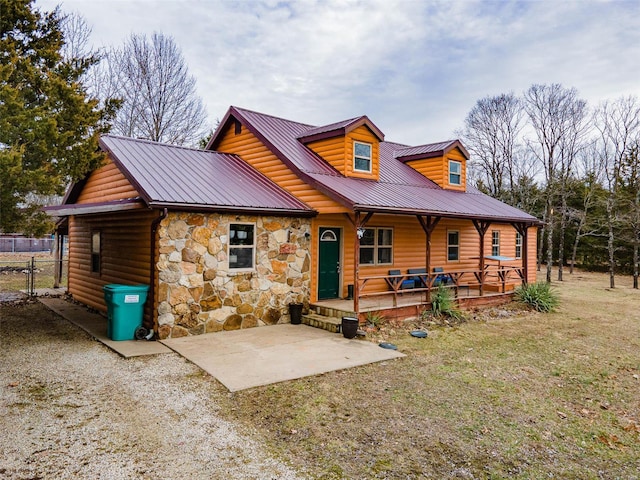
(152, 268)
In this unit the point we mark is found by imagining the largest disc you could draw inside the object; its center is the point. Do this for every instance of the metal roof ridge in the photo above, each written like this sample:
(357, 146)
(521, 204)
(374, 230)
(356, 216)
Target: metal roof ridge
(154, 142)
(240, 109)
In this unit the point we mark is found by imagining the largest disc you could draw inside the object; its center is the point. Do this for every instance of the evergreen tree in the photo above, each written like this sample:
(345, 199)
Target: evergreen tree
(49, 128)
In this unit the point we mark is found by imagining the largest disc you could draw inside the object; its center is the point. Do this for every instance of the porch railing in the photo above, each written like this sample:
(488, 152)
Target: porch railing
(493, 276)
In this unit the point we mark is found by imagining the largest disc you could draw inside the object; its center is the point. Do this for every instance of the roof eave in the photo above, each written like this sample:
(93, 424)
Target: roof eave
(65, 210)
(411, 211)
(194, 207)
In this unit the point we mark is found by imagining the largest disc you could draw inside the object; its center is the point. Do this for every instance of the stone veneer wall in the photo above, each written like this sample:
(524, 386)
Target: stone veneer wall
(196, 291)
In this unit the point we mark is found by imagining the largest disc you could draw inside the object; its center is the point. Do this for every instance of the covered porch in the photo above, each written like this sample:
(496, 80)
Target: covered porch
(474, 280)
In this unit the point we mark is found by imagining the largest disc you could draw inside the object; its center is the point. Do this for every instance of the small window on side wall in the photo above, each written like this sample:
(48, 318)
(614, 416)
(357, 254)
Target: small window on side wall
(361, 157)
(242, 246)
(453, 246)
(455, 173)
(518, 245)
(495, 243)
(96, 240)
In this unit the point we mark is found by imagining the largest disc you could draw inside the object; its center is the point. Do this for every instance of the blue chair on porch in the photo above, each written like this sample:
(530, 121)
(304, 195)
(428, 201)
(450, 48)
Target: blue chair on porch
(394, 282)
(443, 279)
(419, 277)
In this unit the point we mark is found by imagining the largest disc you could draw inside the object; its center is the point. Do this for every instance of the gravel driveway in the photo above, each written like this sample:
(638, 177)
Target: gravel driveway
(70, 408)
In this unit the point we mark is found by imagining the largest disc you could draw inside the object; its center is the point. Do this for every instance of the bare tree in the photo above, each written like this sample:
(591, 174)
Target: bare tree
(76, 32)
(491, 132)
(556, 115)
(618, 124)
(159, 99)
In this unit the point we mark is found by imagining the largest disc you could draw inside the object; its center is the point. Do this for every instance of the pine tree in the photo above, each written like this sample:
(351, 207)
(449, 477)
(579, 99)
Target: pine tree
(49, 128)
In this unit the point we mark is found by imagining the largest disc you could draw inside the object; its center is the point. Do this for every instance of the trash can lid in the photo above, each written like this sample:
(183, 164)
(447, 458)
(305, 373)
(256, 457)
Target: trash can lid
(116, 287)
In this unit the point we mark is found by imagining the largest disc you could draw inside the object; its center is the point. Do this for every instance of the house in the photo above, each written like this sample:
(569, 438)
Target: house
(275, 212)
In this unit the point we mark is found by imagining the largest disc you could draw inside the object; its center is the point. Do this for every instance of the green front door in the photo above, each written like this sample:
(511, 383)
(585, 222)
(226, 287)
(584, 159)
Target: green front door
(329, 263)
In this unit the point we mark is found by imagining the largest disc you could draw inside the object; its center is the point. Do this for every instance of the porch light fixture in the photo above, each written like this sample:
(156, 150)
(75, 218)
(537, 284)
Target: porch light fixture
(360, 232)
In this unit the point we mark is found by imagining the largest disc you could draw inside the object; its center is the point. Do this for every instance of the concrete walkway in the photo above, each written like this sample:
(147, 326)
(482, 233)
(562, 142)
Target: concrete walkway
(252, 357)
(241, 359)
(96, 326)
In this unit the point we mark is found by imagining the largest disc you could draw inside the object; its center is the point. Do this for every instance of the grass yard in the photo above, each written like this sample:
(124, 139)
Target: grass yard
(508, 394)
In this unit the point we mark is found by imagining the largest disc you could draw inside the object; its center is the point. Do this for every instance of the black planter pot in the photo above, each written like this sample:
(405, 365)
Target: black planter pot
(295, 313)
(349, 327)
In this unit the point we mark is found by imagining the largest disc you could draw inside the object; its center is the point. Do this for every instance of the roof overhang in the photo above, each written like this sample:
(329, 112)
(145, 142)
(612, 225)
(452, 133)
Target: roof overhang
(320, 133)
(439, 152)
(92, 208)
(399, 211)
(192, 207)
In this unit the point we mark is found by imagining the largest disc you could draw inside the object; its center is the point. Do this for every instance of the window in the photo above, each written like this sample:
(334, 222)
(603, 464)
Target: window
(453, 246)
(455, 173)
(242, 244)
(495, 243)
(362, 157)
(518, 245)
(376, 246)
(95, 252)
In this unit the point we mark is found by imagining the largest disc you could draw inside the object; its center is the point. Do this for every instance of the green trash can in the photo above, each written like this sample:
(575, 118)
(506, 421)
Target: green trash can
(125, 309)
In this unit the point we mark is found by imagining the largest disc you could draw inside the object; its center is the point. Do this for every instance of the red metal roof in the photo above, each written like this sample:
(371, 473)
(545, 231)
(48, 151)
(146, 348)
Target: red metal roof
(179, 177)
(429, 150)
(340, 128)
(400, 189)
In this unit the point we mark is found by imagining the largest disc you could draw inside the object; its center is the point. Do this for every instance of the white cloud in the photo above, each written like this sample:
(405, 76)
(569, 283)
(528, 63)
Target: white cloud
(414, 67)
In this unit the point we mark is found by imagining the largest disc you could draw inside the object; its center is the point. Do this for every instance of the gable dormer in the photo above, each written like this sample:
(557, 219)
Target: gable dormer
(445, 163)
(352, 146)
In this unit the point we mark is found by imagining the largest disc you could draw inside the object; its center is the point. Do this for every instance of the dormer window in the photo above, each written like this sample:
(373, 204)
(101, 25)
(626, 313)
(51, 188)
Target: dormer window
(455, 172)
(361, 157)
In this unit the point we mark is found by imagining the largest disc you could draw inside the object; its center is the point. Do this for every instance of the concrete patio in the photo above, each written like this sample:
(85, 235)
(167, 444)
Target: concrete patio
(241, 359)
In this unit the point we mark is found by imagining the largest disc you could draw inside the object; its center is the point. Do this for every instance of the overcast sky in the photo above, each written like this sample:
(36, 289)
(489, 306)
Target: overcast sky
(414, 67)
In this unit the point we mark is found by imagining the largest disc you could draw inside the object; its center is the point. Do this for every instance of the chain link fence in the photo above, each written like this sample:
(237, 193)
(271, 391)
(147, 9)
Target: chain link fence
(20, 273)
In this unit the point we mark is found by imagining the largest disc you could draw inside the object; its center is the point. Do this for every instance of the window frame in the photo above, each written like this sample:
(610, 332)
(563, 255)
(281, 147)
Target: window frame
(376, 247)
(252, 247)
(453, 173)
(519, 242)
(495, 243)
(95, 266)
(369, 159)
(451, 245)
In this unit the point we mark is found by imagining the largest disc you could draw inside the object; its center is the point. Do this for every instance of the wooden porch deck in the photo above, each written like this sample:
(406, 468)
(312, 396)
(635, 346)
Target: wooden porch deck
(406, 304)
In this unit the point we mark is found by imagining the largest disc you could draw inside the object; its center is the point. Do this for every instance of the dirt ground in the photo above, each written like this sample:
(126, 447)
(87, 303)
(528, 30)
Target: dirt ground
(70, 408)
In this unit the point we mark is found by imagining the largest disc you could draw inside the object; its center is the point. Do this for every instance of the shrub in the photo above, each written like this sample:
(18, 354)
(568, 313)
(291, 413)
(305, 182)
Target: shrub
(443, 303)
(538, 296)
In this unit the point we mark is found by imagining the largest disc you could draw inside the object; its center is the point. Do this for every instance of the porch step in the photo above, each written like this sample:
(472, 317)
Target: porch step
(331, 324)
(332, 312)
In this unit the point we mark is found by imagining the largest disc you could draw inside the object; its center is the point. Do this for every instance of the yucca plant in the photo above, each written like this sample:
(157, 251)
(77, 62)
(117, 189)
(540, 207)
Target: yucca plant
(539, 296)
(443, 303)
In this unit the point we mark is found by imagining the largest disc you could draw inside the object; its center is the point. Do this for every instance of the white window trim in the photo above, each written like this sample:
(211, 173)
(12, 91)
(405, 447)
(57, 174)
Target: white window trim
(452, 245)
(360, 156)
(253, 246)
(519, 242)
(375, 247)
(459, 173)
(495, 245)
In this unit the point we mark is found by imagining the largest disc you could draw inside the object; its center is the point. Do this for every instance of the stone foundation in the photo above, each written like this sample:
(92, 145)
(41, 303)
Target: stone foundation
(198, 293)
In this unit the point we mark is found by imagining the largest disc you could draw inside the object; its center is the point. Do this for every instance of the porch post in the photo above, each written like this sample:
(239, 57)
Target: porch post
(356, 267)
(482, 228)
(523, 230)
(57, 259)
(428, 225)
(357, 224)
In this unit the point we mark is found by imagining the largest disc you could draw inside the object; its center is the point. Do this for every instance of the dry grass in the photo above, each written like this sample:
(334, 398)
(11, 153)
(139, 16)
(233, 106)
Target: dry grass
(508, 394)
(11, 281)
